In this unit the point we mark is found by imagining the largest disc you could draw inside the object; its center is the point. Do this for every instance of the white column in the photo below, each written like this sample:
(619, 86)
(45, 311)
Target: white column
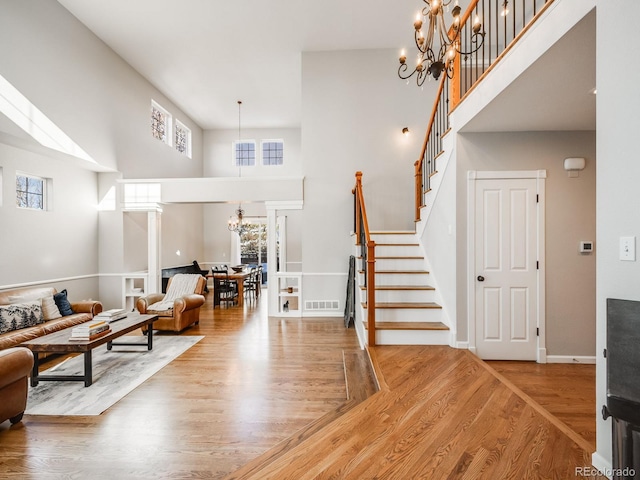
(272, 288)
(153, 249)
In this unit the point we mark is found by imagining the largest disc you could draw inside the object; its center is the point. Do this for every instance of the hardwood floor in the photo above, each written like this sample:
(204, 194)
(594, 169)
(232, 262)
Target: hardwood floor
(266, 398)
(567, 391)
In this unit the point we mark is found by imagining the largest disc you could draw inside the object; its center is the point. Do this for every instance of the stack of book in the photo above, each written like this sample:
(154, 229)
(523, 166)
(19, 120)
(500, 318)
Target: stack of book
(90, 330)
(111, 315)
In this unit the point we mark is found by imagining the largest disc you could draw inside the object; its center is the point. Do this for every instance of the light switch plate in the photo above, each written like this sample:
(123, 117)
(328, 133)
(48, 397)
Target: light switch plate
(628, 249)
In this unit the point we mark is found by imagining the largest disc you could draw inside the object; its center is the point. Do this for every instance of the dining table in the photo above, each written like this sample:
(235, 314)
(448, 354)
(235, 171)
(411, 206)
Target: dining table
(239, 277)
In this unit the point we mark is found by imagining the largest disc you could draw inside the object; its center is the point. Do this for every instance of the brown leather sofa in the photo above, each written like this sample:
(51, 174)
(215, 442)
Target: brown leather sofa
(15, 366)
(186, 309)
(83, 312)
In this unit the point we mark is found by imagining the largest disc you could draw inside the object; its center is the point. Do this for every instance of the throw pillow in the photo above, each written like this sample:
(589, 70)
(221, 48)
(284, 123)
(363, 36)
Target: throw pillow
(50, 309)
(20, 315)
(63, 303)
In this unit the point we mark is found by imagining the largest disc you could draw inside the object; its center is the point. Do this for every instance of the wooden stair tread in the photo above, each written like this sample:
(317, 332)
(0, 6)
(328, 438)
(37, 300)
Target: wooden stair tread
(417, 305)
(401, 271)
(417, 257)
(397, 244)
(401, 287)
(409, 326)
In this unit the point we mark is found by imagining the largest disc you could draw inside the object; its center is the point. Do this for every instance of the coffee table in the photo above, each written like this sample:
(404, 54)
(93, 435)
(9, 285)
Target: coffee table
(58, 342)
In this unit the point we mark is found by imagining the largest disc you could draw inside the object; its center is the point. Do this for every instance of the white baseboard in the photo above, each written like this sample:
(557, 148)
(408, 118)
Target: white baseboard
(571, 359)
(601, 463)
(321, 313)
(462, 345)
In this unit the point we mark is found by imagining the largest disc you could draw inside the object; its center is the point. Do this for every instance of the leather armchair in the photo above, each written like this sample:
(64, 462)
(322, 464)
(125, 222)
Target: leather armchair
(15, 365)
(186, 309)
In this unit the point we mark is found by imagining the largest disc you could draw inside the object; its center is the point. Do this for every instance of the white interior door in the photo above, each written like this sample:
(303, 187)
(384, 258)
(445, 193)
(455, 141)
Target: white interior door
(506, 277)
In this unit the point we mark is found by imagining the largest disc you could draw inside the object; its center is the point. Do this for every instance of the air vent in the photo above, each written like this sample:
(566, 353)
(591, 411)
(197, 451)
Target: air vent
(322, 305)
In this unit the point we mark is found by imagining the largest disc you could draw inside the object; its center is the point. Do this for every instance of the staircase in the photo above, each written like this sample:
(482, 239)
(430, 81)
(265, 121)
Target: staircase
(407, 312)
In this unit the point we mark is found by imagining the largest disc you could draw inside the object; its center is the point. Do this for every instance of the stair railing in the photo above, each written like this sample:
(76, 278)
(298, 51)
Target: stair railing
(501, 33)
(368, 254)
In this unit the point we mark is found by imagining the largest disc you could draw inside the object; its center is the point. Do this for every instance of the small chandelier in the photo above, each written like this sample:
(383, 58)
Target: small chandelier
(434, 62)
(235, 221)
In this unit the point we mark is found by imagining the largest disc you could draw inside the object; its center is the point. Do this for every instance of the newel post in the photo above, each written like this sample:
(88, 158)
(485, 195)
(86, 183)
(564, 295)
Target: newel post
(371, 292)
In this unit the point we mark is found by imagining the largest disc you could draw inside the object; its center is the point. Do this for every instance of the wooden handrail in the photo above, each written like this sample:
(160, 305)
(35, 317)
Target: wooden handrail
(468, 71)
(368, 247)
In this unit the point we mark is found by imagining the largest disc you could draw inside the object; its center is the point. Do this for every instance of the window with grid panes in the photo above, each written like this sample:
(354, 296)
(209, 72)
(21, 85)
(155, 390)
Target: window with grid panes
(244, 153)
(183, 139)
(160, 123)
(272, 152)
(30, 192)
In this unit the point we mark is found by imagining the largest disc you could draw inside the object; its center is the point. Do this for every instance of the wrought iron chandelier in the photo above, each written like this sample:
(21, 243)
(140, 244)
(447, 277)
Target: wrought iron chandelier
(235, 221)
(431, 60)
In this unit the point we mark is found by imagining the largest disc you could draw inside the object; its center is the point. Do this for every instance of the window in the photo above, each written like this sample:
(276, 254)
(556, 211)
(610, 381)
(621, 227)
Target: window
(30, 192)
(160, 123)
(141, 195)
(183, 139)
(244, 153)
(272, 152)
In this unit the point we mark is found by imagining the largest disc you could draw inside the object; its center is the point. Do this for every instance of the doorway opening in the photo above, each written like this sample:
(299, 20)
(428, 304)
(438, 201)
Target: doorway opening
(253, 244)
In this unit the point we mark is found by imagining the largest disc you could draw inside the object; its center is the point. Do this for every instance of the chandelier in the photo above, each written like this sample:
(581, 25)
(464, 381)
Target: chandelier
(235, 221)
(433, 60)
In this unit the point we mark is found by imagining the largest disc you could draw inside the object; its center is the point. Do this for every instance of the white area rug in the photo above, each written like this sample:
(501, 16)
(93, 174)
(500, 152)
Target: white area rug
(115, 373)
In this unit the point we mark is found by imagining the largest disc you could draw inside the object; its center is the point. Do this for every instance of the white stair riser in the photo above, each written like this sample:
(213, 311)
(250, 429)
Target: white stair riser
(412, 337)
(390, 296)
(393, 237)
(408, 314)
(402, 279)
(399, 264)
(398, 251)
(397, 279)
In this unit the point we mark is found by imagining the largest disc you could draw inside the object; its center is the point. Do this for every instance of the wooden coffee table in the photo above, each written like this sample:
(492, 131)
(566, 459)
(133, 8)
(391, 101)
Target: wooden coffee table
(58, 342)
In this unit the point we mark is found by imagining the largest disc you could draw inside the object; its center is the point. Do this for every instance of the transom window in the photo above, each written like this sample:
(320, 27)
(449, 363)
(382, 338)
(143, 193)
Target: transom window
(183, 139)
(272, 152)
(244, 153)
(160, 123)
(30, 192)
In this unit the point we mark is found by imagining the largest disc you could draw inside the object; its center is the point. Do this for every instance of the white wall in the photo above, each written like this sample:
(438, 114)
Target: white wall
(99, 101)
(60, 242)
(570, 218)
(353, 110)
(617, 182)
(218, 159)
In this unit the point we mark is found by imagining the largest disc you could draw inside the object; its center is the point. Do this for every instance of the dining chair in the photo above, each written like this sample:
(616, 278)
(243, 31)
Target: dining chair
(224, 290)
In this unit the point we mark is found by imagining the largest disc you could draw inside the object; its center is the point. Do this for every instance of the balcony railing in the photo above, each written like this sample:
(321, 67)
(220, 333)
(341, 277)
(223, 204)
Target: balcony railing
(502, 31)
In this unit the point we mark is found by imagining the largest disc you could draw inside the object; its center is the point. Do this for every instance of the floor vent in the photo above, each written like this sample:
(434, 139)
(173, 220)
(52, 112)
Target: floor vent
(322, 305)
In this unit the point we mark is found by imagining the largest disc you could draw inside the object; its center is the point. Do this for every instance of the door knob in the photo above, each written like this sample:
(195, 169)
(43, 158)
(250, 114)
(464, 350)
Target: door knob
(480, 278)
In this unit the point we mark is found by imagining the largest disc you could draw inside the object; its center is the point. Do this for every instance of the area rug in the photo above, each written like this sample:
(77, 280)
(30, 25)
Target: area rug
(115, 373)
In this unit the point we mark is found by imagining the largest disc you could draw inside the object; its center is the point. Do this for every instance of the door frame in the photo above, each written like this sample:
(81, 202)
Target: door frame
(540, 177)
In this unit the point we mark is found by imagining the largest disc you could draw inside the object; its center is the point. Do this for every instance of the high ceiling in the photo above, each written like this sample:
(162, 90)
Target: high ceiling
(207, 54)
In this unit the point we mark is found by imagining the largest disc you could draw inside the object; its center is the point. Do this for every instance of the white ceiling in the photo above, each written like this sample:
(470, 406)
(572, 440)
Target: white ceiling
(207, 54)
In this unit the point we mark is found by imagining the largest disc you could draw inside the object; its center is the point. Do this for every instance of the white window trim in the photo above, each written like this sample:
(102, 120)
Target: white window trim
(180, 125)
(46, 183)
(168, 124)
(273, 140)
(233, 152)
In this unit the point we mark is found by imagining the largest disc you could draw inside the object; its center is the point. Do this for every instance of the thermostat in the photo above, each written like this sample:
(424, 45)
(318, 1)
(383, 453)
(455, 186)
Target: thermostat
(586, 247)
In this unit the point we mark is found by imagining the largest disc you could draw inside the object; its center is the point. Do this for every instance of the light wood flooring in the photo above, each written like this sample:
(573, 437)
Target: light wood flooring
(266, 397)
